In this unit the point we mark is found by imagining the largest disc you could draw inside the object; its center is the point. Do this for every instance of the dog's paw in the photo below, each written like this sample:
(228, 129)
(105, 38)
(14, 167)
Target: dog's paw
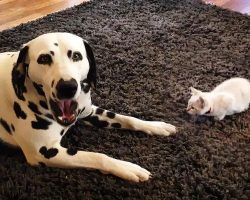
(159, 128)
(129, 171)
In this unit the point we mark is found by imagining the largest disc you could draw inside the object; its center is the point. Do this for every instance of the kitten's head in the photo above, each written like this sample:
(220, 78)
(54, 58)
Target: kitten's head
(197, 104)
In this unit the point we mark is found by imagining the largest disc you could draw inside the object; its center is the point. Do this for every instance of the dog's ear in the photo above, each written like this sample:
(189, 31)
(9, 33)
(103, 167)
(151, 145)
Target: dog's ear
(91, 77)
(19, 73)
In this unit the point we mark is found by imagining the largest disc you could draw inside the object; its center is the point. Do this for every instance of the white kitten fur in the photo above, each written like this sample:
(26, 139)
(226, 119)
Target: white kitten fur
(231, 96)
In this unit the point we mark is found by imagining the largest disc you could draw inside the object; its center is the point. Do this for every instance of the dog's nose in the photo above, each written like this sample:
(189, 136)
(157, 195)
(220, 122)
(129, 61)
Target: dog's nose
(66, 89)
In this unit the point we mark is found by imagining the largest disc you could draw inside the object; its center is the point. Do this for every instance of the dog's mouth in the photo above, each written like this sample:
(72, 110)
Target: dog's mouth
(64, 111)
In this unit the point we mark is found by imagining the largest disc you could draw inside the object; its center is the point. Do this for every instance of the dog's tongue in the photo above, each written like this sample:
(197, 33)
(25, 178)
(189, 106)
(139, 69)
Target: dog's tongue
(66, 108)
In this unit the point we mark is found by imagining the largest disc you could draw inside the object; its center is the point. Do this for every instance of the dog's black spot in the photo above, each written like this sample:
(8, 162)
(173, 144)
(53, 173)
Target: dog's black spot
(12, 127)
(39, 89)
(99, 111)
(71, 151)
(94, 120)
(33, 107)
(42, 164)
(48, 153)
(52, 53)
(56, 44)
(116, 125)
(85, 86)
(110, 115)
(43, 104)
(19, 112)
(52, 84)
(54, 106)
(5, 125)
(62, 132)
(69, 53)
(40, 123)
(49, 116)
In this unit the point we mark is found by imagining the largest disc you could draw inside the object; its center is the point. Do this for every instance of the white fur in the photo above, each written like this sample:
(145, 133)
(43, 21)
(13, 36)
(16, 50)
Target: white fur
(231, 96)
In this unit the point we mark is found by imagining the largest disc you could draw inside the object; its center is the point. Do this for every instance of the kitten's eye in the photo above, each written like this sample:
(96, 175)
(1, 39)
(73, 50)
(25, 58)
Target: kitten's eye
(44, 59)
(191, 108)
(77, 56)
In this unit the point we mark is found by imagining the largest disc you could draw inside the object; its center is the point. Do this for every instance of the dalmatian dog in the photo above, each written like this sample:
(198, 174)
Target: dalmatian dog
(45, 89)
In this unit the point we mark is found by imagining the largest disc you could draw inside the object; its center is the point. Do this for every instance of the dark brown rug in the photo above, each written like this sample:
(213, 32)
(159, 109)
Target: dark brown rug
(148, 53)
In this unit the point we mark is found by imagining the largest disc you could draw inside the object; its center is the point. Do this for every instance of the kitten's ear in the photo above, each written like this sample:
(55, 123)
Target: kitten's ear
(202, 102)
(194, 91)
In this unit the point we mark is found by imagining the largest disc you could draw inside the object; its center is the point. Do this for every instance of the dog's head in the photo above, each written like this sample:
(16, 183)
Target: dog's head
(64, 66)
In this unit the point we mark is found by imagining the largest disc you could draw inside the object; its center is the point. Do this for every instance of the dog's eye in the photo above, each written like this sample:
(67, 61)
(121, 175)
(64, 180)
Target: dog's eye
(77, 56)
(44, 59)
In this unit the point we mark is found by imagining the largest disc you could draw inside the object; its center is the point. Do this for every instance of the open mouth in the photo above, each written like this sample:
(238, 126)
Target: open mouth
(64, 111)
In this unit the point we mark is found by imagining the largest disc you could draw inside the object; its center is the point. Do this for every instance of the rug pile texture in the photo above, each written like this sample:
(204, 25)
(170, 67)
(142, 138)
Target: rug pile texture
(148, 52)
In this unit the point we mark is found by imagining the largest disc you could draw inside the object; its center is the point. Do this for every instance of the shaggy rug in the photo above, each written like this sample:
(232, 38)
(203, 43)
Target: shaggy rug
(148, 54)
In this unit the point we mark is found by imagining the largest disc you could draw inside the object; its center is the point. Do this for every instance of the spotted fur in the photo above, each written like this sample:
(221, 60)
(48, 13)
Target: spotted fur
(72, 151)
(39, 89)
(40, 123)
(33, 107)
(5, 125)
(36, 109)
(19, 112)
(48, 153)
(43, 104)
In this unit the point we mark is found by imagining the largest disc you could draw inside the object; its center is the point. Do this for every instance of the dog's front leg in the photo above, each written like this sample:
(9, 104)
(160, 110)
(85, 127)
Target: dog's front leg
(104, 118)
(58, 156)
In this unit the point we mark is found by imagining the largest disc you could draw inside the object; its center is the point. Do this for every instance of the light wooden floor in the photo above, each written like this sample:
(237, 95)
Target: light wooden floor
(15, 12)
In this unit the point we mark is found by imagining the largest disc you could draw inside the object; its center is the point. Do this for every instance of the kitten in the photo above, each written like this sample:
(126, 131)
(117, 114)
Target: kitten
(231, 96)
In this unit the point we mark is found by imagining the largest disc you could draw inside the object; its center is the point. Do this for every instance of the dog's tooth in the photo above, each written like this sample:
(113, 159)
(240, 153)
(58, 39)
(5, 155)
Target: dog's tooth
(60, 118)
